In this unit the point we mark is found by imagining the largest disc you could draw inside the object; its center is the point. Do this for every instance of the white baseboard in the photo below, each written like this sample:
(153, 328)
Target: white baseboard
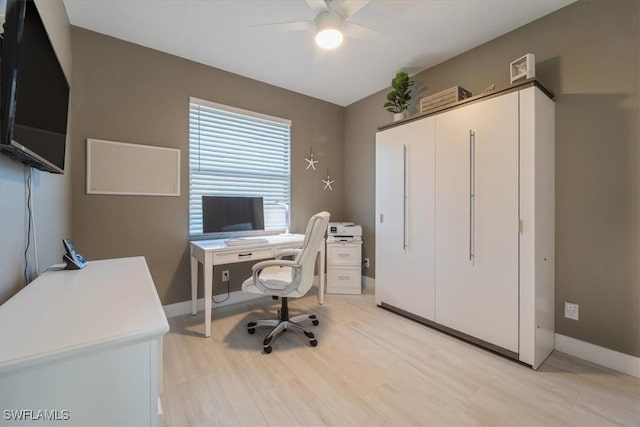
(235, 297)
(602, 356)
(184, 307)
(368, 283)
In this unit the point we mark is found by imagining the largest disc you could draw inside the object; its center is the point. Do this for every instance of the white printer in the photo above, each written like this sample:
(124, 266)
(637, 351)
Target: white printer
(344, 232)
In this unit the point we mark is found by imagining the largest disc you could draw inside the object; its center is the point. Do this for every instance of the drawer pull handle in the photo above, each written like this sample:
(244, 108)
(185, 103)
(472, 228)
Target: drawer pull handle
(343, 277)
(244, 255)
(344, 255)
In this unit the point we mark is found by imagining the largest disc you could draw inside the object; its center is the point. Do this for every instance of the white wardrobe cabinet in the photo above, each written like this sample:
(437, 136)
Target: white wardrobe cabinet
(480, 263)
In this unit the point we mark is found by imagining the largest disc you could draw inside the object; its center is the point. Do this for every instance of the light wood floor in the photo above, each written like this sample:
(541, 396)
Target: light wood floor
(372, 368)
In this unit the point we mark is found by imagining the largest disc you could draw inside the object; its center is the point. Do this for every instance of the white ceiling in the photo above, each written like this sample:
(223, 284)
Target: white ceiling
(223, 34)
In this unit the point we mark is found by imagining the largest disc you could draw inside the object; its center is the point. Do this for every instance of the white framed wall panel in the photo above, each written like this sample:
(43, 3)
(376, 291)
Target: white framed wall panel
(132, 169)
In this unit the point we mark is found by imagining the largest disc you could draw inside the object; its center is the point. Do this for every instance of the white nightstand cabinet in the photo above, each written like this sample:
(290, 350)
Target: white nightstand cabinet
(83, 348)
(344, 269)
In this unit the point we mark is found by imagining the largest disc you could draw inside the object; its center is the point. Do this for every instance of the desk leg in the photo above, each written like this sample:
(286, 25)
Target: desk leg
(208, 293)
(321, 274)
(194, 285)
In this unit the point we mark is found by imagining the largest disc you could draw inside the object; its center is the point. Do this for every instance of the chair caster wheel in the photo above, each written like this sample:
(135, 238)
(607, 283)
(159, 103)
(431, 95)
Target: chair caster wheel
(267, 350)
(251, 331)
(313, 343)
(315, 322)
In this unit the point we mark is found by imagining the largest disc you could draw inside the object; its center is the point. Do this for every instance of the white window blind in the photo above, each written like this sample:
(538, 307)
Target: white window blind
(233, 152)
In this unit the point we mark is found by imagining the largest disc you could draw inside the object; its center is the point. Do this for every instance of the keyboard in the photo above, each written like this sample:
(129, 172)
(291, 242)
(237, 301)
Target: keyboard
(245, 242)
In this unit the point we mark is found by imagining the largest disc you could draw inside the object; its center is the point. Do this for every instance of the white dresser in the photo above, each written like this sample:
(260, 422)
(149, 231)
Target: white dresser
(83, 346)
(344, 268)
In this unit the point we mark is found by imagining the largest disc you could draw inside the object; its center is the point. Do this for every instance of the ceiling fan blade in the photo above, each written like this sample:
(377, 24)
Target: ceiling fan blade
(317, 6)
(287, 26)
(348, 8)
(360, 32)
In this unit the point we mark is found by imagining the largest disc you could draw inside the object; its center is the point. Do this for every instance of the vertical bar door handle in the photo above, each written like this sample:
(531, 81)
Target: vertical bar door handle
(404, 197)
(472, 193)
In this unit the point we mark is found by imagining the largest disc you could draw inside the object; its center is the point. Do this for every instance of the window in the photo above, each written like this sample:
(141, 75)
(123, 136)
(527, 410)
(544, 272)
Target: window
(234, 152)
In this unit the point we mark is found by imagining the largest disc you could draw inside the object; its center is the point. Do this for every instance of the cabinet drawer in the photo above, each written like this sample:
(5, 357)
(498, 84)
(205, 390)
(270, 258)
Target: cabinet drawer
(343, 254)
(242, 255)
(344, 278)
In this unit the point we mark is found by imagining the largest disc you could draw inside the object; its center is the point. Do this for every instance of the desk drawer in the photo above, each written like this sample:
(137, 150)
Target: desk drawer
(343, 254)
(346, 277)
(242, 255)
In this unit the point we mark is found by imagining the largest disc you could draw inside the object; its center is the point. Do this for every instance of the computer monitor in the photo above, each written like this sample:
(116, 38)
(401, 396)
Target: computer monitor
(232, 214)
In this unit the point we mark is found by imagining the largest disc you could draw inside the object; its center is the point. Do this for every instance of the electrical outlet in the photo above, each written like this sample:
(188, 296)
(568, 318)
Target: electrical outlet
(571, 310)
(225, 275)
(366, 263)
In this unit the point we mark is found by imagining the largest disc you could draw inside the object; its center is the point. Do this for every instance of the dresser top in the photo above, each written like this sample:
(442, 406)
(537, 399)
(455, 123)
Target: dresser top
(67, 312)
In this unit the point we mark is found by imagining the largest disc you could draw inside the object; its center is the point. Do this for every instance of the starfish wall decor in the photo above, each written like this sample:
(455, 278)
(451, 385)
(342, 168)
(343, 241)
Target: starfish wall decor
(311, 163)
(328, 182)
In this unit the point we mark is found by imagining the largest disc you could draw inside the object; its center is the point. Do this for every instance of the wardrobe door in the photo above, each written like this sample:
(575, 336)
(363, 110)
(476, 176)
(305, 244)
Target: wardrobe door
(405, 173)
(389, 214)
(477, 220)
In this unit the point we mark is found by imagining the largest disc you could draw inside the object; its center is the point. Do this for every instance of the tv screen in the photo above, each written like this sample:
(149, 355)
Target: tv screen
(231, 214)
(35, 92)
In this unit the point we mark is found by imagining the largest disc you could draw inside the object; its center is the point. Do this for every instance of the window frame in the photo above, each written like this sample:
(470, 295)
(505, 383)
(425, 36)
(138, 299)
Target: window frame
(249, 113)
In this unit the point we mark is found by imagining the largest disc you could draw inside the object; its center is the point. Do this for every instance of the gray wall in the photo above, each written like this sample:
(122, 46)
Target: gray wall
(51, 193)
(588, 55)
(129, 93)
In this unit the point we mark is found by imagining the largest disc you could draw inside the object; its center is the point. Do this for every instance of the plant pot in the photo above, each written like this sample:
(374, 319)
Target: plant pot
(399, 116)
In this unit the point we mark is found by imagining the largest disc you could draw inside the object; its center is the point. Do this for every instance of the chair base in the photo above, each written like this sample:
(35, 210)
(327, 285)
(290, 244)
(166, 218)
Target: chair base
(284, 323)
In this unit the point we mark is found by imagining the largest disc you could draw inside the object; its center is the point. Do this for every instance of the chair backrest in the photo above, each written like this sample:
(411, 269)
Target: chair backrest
(306, 258)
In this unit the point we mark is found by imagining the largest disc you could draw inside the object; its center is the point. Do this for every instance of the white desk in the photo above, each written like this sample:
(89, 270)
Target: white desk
(216, 252)
(87, 341)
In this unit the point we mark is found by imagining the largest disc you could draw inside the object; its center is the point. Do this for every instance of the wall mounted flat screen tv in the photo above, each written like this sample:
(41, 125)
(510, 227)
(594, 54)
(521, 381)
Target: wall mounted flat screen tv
(232, 214)
(34, 92)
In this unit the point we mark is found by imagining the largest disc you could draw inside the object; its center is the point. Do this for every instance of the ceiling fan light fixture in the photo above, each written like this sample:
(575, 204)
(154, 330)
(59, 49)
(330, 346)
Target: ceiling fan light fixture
(329, 37)
(328, 34)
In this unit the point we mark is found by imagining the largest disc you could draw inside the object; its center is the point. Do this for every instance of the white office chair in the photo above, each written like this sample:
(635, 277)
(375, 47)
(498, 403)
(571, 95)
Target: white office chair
(288, 278)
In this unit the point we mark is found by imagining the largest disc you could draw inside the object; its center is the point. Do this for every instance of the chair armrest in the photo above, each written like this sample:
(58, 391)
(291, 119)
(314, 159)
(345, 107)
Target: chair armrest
(263, 284)
(287, 252)
(273, 263)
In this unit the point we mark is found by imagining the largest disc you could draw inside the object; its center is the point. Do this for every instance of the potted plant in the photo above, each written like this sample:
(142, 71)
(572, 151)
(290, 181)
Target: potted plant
(398, 98)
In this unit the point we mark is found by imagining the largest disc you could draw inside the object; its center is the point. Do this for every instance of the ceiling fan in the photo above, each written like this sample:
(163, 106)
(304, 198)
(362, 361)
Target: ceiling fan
(331, 22)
